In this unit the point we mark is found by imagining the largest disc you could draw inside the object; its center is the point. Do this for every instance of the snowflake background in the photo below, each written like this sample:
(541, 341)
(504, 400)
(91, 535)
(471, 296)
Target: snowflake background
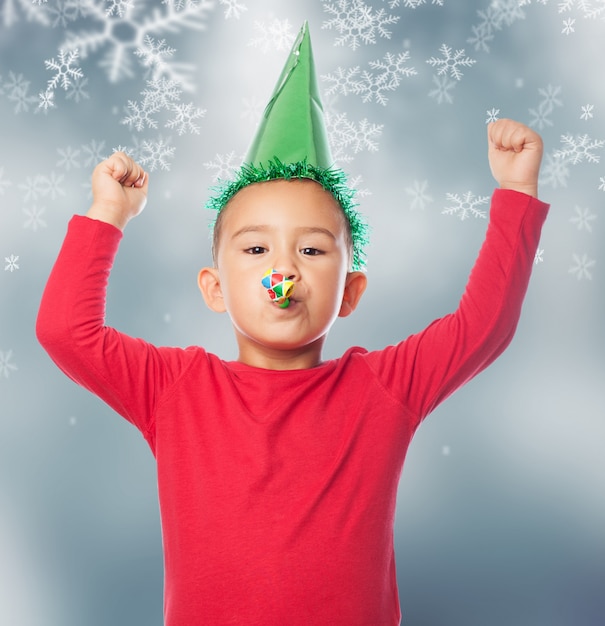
(501, 509)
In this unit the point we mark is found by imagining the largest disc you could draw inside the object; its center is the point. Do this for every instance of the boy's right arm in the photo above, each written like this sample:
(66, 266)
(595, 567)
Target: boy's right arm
(127, 373)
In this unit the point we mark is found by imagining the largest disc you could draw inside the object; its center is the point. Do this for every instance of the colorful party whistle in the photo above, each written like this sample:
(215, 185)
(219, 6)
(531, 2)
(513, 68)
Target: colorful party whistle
(278, 287)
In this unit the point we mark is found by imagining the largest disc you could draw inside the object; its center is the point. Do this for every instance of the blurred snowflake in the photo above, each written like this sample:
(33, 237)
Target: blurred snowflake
(6, 367)
(233, 8)
(554, 171)
(582, 267)
(277, 35)
(443, 89)
(17, 91)
(34, 218)
(126, 33)
(4, 182)
(582, 218)
(419, 194)
(9, 12)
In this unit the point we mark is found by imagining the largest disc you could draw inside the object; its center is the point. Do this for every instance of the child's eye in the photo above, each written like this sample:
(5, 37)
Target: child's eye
(255, 250)
(311, 251)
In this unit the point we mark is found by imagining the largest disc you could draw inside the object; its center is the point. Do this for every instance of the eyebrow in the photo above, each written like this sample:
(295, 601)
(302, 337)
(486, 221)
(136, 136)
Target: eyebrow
(304, 230)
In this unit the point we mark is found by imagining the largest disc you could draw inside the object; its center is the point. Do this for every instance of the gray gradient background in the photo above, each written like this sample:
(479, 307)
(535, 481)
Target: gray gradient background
(501, 516)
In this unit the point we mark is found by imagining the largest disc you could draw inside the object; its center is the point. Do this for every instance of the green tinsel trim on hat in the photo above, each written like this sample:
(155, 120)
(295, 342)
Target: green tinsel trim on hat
(332, 179)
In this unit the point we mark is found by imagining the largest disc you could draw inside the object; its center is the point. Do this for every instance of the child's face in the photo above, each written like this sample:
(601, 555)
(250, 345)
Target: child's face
(297, 228)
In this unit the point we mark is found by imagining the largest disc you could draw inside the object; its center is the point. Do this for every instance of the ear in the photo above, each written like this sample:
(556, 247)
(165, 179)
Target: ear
(355, 285)
(210, 285)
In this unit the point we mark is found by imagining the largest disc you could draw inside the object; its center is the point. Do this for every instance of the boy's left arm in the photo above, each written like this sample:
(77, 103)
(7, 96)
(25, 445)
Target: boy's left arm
(515, 154)
(427, 367)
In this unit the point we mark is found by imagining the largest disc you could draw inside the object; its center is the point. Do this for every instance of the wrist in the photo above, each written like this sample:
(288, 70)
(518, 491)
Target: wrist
(106, 213)
(530, 189)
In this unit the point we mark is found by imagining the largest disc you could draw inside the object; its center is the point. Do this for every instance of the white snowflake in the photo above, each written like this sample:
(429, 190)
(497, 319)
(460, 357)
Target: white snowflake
(492, 115)
(118, 7)
(156, 154)
(582, 218)
(64, 68)
(419, 194)
(583, 266)
(34, 218)
(154, 55)
(360, 137)
(233, 8)
(343, 81)
(602, 185)
(539, 256)
(568, 26)
(277, 35)
(465, 206)
(449, 64)
(587, 112)
(122, 36)
(443, 88)
(357, 23)
(46, 101)
(6, 367)
(223, 165)
(360, 192)
(590, 9)
(184, 120)
(371, 85)
(11, 263)
(580, 147)
(160, 94)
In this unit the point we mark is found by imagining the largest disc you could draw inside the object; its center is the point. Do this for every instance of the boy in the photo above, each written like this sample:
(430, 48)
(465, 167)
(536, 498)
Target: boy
(280, 513)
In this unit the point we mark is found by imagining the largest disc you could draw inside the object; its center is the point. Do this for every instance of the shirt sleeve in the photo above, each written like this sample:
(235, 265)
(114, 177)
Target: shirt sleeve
(427, 367)
(127, 373)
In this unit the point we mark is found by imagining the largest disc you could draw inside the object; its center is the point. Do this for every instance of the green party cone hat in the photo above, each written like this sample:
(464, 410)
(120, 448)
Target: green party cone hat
(292, 128)
(292, 142)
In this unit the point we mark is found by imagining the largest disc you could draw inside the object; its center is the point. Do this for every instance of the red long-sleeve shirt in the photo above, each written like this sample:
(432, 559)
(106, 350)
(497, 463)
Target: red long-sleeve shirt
(277, 488)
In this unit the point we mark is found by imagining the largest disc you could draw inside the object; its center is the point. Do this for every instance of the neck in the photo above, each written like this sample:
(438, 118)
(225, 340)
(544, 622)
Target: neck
(279, 359)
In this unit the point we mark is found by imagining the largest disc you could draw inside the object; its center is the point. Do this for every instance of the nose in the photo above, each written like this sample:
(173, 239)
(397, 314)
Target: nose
(278, 286)
(286, 265)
